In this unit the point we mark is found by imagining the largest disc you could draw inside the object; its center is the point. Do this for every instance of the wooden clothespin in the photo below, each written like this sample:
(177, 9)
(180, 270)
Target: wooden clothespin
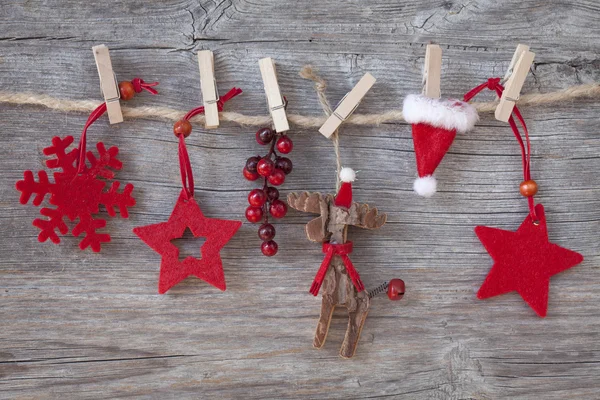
(347, 105)
(108, 84)
(275, 100)
(514, 80)
(208, 86)
(432, 71)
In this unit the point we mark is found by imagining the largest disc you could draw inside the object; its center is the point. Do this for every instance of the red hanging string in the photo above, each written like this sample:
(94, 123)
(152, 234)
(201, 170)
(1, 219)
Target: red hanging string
(138, 86)
(185, 166)
(494, 85)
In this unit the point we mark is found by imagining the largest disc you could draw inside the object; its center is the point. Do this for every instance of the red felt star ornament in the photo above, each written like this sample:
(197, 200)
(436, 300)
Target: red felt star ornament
(187, 214)
(524, 261)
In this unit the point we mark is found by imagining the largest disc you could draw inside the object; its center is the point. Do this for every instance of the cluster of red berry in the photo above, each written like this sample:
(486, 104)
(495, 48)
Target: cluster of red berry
(273, 168)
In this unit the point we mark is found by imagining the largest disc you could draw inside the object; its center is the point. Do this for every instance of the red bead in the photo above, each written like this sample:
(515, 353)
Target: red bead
(266, 232)
(278, 209)
(264, 136)
(269, 248)
(257, 198)
(395, 289)
(528, 188)
(251, 163)
(254, 214)
(284, 164)
(182, 127)
(251, 176)
(277, 177)
(272, 193)
(127, 91)
(265, 167)
(284, 144)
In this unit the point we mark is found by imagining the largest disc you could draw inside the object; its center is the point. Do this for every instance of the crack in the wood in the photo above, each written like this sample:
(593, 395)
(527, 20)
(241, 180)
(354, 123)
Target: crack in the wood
(46, 38)
(124, 359)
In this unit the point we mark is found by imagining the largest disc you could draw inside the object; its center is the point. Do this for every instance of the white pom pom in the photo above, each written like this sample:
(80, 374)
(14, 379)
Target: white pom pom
(425, 186)
(347, 175)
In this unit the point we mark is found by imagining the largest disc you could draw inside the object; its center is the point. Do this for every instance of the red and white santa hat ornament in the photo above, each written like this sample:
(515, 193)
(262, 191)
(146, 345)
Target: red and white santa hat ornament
(344, 195)
(434, 126)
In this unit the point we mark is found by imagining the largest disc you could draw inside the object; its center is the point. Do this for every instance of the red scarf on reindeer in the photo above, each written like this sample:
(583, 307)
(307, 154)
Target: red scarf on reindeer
(342, 250)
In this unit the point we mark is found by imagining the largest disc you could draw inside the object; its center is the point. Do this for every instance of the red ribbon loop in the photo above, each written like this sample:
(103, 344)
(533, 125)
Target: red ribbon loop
(139, 85)
(185, 166)
(493, 84)
(342, 250)
(224, 99)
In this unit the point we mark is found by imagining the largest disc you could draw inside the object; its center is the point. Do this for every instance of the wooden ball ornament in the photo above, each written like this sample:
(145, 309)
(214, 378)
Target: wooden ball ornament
(182, 127)
(528, 188)
(127, 90)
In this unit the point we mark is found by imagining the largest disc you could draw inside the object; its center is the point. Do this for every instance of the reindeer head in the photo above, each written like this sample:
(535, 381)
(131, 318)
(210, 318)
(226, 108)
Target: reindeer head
(333, 219)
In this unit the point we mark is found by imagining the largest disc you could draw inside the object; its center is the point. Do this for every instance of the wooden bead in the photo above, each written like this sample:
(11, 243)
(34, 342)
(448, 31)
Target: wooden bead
(126, 89)
(528, 188)
(182, 127)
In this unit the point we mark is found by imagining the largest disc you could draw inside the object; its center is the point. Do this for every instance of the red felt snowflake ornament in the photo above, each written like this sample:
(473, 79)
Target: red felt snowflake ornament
(79, 188)
(76, 195)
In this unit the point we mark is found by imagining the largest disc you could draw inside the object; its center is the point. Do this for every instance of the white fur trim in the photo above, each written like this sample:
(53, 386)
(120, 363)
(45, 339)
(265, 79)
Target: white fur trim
(448, 114)
(425, 186)
(347, 175)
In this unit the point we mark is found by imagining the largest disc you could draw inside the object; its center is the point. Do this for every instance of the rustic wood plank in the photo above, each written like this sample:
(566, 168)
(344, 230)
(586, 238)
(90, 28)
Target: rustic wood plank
(83, 325)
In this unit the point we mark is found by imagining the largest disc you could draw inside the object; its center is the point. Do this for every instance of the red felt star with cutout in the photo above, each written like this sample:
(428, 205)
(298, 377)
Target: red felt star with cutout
(187, 214)
(524, 261)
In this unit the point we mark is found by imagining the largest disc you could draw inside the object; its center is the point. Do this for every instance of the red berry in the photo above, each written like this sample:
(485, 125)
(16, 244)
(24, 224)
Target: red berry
(264, 136)
(251, 163)
(251, 176)
(266, 232)
(278, 209)
(284, 144)
(272, 193)
(265, 167)
(269, 248)
(254, 214)
(257, 198)
(395, 289)
(284, 164)
(277, 177)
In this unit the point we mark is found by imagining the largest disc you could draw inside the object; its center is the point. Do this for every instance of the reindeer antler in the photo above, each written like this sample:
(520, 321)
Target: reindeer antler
(307, 202)
(314, 203)
(367, 217)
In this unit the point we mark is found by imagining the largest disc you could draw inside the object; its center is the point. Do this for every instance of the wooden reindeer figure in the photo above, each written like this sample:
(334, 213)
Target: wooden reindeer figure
(341, 283)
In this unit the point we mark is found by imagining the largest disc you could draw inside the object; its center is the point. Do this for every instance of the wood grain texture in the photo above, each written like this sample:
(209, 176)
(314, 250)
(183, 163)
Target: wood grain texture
(82, 325)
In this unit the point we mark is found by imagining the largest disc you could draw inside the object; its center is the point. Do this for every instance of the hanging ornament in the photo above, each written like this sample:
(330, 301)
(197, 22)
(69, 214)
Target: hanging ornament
(78, 189)
(337, 278)
(272, 168)
(187, 214)
(525, 260)
(435, 123)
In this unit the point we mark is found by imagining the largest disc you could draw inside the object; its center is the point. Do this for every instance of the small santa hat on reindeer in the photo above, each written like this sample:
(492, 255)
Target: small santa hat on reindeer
(434, 126)
(343, 197)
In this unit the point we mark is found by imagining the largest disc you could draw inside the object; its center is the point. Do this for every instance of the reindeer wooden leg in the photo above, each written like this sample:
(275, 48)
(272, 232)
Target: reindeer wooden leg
(328, 304)
(358, 308)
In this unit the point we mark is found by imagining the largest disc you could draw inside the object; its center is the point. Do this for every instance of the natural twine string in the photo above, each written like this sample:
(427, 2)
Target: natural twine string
(393, 116)
(591, 90)
(320, 85)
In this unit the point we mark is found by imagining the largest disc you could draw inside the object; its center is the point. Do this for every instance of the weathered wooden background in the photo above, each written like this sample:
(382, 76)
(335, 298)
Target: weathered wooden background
(82, 325)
